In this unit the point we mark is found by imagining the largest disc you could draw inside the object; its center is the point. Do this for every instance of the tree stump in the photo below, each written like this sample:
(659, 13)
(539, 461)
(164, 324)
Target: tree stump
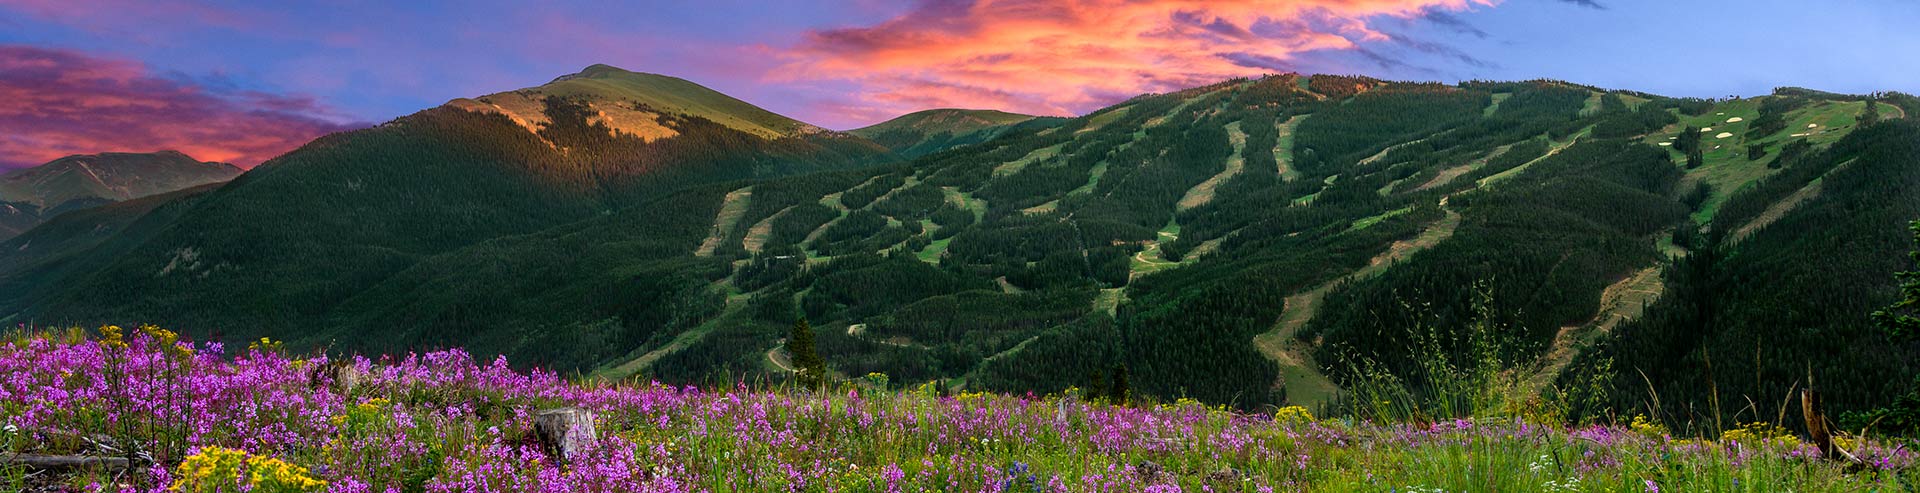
(567, 432)
(340, 376)
(1819, 429)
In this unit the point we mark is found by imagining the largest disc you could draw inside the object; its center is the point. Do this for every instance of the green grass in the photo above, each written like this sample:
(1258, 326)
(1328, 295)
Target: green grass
(966, 200)
(1203, 193)
(673, 95)
(1012, 167)
(1283, 147)
(1149, 260)
(1726, 167)
(1495, 107)
(1555, 149)
(1365, 222)
(1102, 120)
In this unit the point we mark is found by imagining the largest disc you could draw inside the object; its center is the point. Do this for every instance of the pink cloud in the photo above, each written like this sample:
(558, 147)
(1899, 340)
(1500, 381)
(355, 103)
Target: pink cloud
(1070, 57)
(61, 102)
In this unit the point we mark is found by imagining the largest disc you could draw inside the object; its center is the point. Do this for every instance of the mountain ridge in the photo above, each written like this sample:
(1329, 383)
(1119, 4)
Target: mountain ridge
(1052, 255)
(927, 131)
(30, 196)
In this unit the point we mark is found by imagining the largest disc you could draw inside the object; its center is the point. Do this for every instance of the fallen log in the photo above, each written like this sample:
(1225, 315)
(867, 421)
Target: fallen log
(64, 462)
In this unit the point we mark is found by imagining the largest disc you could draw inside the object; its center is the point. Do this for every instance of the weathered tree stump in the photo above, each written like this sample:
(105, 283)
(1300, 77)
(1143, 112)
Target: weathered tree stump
(341, 376)
(568, 432)
(1819, 429)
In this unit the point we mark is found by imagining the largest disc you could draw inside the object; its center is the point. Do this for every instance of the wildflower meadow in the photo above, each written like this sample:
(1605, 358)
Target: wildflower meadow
(174, 416)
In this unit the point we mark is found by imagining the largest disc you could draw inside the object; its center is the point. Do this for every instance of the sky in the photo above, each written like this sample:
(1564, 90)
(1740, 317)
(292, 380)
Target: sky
(244, 81)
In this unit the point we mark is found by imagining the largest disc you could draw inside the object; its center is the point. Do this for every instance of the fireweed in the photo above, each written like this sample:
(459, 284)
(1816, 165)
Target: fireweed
(259, 420)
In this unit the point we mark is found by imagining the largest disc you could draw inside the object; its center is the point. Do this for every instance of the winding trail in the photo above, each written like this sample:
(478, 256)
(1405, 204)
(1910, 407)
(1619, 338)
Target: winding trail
(778, 356)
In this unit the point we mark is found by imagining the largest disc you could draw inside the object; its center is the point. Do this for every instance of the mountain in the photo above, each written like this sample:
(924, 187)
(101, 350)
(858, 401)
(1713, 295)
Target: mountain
(633, 103)
(284, 244)
(29, 196)
(1282, 240)
(925, 132)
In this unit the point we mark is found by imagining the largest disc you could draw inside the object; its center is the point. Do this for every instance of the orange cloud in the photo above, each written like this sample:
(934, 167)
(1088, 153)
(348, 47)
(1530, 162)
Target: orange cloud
(59, 103)
(1069, 57)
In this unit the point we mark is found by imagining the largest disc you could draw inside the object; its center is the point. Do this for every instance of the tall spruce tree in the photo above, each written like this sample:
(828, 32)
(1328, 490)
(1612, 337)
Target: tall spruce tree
(1901, 320)
(1871, 115)
(809, 369)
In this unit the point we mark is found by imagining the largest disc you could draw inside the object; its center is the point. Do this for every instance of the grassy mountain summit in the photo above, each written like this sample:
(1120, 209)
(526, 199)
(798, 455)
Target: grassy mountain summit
(630, 101)
(928, 131)
(1282, 240)
(31, 195)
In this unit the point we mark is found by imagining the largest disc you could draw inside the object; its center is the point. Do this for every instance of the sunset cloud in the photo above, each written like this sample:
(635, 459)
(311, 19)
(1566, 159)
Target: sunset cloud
(60, 102)
(1069, 57)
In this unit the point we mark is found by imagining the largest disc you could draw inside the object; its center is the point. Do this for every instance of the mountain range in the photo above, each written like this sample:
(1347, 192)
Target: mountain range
(32, 195)
(1253, 242)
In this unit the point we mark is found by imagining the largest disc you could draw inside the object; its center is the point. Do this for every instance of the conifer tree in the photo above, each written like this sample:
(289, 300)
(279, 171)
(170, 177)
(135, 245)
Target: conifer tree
(1120, 387)
(1871, 115)
(1901, 320)
(809, 369)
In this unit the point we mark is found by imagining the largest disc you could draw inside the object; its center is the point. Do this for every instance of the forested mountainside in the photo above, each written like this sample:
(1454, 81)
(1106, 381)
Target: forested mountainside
(32, 195)
(278, 249)
(1251, 243)
(925, 132)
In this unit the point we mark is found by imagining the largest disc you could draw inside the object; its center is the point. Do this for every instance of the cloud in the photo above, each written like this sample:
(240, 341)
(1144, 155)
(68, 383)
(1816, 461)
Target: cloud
(1448, 20)
(1587, 3)
(1069, 57)
(61, 102)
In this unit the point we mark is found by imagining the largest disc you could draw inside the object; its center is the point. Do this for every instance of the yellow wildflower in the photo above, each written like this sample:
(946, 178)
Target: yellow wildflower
(113, 337)
(1293, 415)
(216, 468)
(1647, 427)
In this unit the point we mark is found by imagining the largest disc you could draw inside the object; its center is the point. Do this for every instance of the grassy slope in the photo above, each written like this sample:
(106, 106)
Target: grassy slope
(674, 95)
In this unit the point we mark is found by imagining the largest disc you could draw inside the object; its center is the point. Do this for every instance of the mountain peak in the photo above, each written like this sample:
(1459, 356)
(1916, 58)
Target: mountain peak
(595, 71)
(632, 102)
(85, 180)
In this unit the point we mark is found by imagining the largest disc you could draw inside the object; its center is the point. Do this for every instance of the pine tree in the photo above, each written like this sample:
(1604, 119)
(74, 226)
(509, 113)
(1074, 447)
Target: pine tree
(809, 369)
(1871, 115)
(1120, 387)
(1695, 158)
(1901, 320)
(1096, 386)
